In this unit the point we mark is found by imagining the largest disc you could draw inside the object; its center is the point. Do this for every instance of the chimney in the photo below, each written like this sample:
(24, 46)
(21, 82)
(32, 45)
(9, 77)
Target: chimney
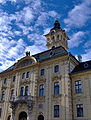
(79, 58)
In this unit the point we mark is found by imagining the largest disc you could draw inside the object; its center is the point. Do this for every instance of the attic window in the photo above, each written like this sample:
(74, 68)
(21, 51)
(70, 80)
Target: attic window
(86, 65)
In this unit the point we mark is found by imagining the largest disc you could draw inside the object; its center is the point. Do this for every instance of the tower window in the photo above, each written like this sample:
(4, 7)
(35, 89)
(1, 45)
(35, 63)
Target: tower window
(79, 110)
(42, 72)
(41, 90)
(78, 86)
(58, 37)
(56, 68)
(23, 75)
(53, 38)
(56, 88)
(27, 75)
(56, 110)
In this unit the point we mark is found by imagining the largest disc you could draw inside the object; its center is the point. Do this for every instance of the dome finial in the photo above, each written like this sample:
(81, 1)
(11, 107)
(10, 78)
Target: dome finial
(56, 24)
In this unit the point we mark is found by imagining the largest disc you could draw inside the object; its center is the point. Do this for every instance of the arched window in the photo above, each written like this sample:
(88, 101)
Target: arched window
(56, 88)
(57, 37)
(22, 91)
(3, 95)
(41, 90)
(26, 90)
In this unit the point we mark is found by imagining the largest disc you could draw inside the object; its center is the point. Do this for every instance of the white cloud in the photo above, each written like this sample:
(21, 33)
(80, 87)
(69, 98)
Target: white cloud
(76, 39)
(13, 48)
(79, 15)
(87, 55)
(87, 44)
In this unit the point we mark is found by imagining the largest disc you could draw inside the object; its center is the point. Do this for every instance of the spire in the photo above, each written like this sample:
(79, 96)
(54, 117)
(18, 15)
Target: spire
(56, 25)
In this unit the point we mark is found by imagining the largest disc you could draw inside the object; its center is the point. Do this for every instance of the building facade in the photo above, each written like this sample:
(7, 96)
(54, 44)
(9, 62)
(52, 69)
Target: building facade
(51, 85)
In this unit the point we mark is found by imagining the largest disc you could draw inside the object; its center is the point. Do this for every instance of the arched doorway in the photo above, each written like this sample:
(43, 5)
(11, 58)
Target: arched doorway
(23, 116)
(40, 117)
(9, 117)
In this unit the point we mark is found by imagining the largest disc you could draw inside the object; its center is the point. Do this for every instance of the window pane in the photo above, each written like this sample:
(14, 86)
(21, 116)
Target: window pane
(3, 95)
(26, 90)
(22, 91)
(78, 86)
(14, 78)
(27, 75)
(42, 72)
(79, 110)
(5, 80)
(56, 88)
(41, 90)
(56, 110)
(23, 75)
(56, 68)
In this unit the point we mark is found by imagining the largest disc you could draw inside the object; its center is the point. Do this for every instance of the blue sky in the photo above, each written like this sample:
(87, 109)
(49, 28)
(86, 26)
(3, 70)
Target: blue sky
(24, 22)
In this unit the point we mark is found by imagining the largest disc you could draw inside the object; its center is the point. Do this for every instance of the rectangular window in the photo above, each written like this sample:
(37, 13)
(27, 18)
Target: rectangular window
(56, 110)
(5, 80)
(41, 90)
(78, 86)
(27, 75)
(79, 110)
(42, 72)
(14, 78)
(0, 112)
(56, 68)
(3, 95)
(26, 91)
(23, 75)
(21, 91)
(56, 88)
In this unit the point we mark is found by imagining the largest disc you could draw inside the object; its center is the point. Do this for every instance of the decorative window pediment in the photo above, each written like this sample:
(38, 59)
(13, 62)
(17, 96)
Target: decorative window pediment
(25, 62)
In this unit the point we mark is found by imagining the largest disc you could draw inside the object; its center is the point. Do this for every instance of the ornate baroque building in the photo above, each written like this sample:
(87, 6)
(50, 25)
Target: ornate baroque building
(51, 85)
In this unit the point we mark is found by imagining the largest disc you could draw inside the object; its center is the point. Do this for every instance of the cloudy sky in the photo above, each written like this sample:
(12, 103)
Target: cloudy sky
(24, 22)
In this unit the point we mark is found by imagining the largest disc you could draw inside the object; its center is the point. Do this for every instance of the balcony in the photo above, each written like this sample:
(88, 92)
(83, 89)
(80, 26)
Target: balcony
(21, 99)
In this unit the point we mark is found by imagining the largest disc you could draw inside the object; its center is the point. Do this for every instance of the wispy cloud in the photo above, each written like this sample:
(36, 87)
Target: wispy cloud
(79, 15)
(25, 22)
(76, 39)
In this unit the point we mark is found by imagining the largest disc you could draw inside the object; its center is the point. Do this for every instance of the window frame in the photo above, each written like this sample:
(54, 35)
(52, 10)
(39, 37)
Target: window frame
(56, 111)
(27, 74)
(41, 89)
(22, 91)
(56, 88)
(42, 72)
(26, 91)
(3, 95)
(14, 78)
(78, 87)
(56, 68)
(23, 75)
(79, 108)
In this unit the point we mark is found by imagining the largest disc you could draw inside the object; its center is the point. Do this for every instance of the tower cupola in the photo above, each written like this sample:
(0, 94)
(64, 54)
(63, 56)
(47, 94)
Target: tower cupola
(57, 37)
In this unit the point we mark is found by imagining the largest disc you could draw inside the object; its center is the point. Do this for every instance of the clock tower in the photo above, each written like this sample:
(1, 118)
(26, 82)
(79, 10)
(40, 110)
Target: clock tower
(57, 37)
